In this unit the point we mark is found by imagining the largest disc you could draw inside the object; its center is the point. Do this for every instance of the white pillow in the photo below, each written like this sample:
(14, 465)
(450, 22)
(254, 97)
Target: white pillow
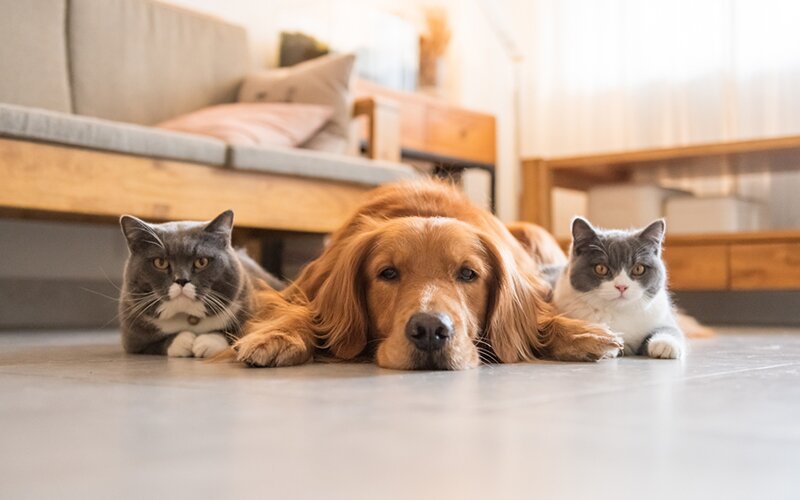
(254, 124)
(324, 80)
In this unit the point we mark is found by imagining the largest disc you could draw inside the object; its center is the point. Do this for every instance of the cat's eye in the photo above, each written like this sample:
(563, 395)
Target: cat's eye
(467, 275)
(601, 269)
(388, 274)
(201, 263)
(638, 270)
(160, 263)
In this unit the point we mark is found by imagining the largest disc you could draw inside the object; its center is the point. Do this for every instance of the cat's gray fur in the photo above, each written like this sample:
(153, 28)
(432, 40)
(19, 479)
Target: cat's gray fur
(183, 310)
(637, 307)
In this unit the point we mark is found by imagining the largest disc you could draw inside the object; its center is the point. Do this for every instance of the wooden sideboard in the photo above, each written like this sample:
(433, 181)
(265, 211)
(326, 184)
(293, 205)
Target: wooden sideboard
(768, 260)
(451, 138)
(765, 260)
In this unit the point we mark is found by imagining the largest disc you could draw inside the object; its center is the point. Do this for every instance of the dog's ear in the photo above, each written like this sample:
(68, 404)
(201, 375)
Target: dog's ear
(516, 303)
(538, 243)
(340, 306)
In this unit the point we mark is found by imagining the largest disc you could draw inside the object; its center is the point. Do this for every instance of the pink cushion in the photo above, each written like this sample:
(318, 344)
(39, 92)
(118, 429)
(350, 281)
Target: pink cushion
(255, 124)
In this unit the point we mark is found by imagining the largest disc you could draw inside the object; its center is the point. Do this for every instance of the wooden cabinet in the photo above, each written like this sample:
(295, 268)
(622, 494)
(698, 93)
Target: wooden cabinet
(735, 261)
(702, 267)
(765, 260)
(766, 266)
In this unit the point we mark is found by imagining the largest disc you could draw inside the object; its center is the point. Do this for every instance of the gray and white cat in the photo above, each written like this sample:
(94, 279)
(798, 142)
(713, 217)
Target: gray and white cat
(618, 278)
(186, 291)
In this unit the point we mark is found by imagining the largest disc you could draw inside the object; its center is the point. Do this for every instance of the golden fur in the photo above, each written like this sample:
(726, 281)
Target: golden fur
(428, 232)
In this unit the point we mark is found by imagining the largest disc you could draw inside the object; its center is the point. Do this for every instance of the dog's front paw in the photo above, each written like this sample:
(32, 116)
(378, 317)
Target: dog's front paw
(602, 343)
(665, 347)
(181, 346)
(596, 343)
(273, 349)
(208, 345)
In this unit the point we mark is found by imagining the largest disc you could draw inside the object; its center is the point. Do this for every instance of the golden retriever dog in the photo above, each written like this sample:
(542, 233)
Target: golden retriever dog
(419, 278)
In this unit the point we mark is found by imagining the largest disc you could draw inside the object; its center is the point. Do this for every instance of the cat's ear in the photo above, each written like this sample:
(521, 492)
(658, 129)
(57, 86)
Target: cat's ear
(582, 233)
(654, 233)
(136, 231)
(222, 224)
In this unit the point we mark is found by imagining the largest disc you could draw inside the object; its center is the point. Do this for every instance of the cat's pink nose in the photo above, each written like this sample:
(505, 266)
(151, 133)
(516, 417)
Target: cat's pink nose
(621, 288)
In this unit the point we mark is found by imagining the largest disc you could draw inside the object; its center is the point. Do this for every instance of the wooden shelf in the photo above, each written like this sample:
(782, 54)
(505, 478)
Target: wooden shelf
(683, 152)
(764, 260)
(783, 236)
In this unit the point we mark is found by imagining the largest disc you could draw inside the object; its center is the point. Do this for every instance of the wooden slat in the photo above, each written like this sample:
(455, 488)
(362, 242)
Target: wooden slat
(71, 182)
(778, 236)
(660, 154)
(585, 178)
(536, 205)
(765, 266)
(697, 267)
(704, 239)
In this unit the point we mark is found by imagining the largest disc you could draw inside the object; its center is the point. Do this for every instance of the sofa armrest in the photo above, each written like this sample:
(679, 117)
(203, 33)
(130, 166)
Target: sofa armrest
(383, 126)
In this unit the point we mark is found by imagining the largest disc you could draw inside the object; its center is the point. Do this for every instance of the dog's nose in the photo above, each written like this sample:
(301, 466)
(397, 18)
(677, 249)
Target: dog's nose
(181, 281)
(429, 332)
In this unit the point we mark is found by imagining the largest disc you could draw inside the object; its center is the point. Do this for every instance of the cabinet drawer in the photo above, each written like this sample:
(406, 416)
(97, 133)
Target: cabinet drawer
(461, 134)
(702, 267)
(766, 266)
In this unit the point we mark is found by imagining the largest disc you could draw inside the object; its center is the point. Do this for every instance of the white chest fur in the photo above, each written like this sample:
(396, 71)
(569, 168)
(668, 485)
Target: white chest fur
(634, 320)
(181, 322)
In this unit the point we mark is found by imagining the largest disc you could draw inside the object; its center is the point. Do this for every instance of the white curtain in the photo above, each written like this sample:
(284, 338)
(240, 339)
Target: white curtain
(616, 75)
(623, 74)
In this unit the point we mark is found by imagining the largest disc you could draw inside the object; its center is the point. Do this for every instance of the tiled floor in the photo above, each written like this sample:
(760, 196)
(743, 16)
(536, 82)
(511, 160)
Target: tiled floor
(79, 419)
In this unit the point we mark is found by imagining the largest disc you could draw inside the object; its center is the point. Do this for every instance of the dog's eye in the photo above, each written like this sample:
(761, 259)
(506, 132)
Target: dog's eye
(388, 274)
(160, 264)
(466, 274)
(601, 270)
(638, 270)
(200, 263)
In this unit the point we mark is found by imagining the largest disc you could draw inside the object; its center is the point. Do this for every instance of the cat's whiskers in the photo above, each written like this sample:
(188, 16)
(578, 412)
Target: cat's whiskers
(100, 294)
(105, 275)
(141, 305)
(218, 307)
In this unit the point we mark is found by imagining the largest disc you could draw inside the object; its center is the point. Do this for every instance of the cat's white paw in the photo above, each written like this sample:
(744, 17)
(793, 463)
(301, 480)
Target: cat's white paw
(208, 345)
(665, 346)
(181, 346)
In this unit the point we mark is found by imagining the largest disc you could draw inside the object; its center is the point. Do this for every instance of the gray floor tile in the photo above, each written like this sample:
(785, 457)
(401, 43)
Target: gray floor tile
(80, 419)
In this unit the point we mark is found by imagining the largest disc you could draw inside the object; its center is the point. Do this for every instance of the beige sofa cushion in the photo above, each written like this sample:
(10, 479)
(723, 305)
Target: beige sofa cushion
(33, 54)
(143, 62)
(316, 164)
(50, 126)
(324, 80)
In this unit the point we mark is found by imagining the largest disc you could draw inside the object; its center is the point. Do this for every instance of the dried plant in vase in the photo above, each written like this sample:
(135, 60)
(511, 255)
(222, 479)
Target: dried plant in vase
(432, 46)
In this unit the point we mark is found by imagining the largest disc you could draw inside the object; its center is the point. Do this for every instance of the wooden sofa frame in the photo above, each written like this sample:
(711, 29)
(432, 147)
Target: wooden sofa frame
(56, 182)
